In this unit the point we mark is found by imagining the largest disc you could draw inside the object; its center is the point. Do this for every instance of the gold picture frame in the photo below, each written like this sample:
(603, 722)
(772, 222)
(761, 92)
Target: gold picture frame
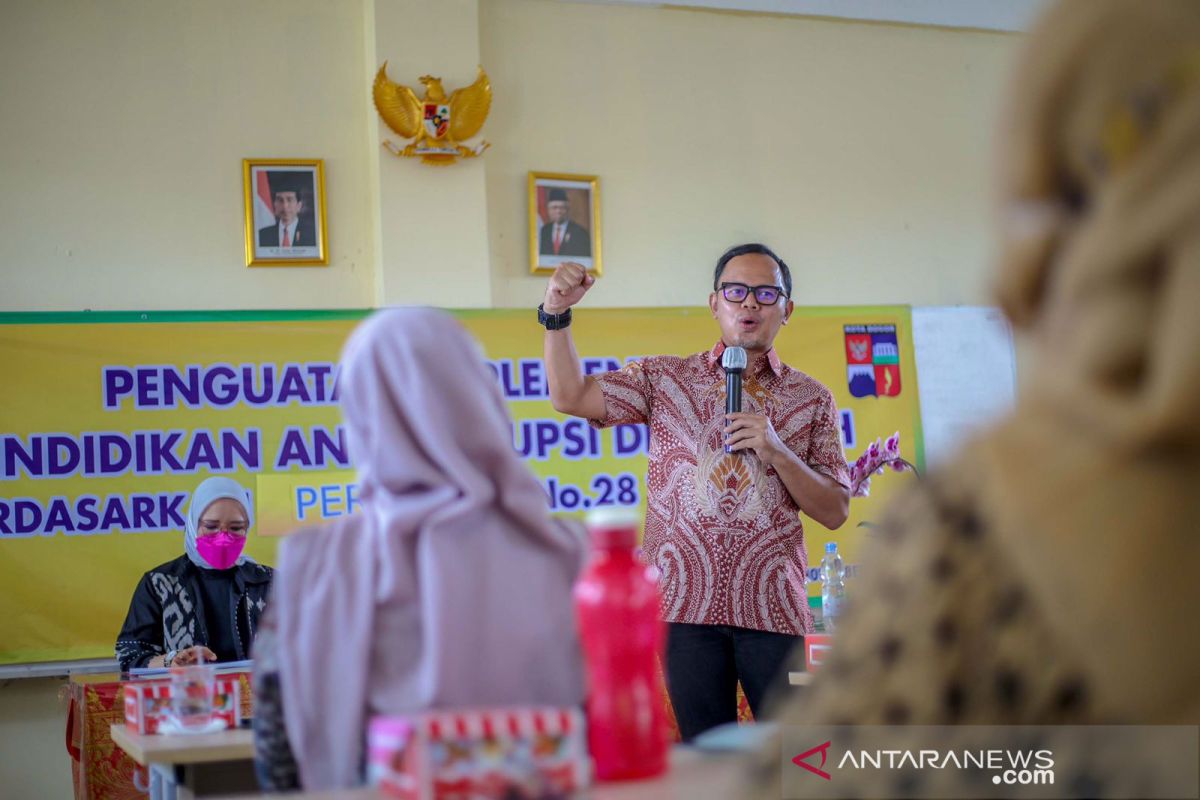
(279, 189)
(577, 235)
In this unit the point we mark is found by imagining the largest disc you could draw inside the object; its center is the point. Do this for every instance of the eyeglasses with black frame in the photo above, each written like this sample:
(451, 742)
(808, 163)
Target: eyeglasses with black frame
(767, 295)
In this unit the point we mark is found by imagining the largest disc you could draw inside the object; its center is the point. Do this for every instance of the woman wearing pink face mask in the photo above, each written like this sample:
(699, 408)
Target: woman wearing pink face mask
(205, 604)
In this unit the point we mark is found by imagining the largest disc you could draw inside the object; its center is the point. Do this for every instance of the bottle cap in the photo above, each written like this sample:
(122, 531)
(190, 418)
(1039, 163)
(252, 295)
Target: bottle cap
(613, 527)
(831, 547)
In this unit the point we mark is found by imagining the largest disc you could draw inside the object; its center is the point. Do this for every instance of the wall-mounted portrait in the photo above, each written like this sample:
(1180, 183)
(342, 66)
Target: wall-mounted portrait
(285, 212)
(564, 221)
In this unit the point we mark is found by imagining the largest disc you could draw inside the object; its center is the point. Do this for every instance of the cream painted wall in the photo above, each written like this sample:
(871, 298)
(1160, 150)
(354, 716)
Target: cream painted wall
(434, 219)
(33, 755)
(859, 151)
(124, 126)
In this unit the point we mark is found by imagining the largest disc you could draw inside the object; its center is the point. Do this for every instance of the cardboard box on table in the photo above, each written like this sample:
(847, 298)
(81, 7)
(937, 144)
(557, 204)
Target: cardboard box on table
(148, 701)
(816, 649)
(485, 753)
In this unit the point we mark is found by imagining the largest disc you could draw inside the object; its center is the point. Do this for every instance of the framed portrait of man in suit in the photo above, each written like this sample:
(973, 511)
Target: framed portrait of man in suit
(285, 212)
(564, 221)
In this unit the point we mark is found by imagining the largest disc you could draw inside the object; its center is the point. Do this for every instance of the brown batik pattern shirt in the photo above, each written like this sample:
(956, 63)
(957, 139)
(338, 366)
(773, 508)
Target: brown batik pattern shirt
(721, 528)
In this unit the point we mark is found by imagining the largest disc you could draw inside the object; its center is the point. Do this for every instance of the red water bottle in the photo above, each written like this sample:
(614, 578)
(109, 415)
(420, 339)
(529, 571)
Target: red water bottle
(617, 602)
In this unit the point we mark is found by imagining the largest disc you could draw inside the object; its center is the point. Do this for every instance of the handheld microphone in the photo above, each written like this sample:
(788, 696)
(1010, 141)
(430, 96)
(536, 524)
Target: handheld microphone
(733, 360)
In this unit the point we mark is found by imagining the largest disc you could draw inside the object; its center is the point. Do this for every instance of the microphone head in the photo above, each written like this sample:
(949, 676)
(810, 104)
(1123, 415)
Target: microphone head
(733, 359)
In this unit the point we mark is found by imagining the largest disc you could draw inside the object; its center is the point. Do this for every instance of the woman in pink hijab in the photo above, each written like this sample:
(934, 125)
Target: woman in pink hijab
(449, 587)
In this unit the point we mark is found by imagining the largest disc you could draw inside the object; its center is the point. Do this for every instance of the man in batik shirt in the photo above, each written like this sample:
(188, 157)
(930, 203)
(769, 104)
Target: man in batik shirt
(723, 529)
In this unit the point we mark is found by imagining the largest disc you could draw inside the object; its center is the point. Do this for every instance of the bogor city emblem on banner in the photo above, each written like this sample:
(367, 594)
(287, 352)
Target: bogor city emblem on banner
(436, 124)
(872, 360)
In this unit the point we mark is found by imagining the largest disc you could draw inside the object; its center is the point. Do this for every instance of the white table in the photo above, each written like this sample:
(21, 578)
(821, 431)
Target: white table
(799, 678)
(183, 766)
(692, 776)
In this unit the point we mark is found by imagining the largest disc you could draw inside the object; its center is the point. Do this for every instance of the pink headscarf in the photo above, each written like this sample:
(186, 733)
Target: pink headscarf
(451, 586)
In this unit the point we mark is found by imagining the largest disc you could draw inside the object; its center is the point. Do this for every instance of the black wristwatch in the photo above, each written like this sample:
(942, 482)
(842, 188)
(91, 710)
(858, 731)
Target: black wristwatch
(554, 322)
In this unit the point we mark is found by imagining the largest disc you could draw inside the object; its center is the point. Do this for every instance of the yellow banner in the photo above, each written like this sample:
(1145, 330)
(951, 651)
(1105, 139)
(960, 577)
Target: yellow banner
(109, 420)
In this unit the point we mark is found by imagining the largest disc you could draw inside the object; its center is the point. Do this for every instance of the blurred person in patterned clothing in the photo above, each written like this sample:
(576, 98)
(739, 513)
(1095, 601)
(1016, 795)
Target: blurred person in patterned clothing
(1047, 575)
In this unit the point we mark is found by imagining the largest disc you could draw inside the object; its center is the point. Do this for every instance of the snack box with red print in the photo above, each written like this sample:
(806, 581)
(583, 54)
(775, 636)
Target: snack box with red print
(147, 702)
(816, 648)
(479, 754)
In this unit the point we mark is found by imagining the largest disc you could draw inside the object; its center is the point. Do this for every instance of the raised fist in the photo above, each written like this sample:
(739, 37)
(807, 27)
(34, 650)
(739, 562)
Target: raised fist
(567, 286)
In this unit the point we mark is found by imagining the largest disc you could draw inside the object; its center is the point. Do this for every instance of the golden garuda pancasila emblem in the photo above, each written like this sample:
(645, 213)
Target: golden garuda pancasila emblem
(437, 124)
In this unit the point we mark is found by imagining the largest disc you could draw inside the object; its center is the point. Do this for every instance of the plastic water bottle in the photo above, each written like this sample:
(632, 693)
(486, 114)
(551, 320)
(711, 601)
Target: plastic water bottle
(833, 586)
(617, 603)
